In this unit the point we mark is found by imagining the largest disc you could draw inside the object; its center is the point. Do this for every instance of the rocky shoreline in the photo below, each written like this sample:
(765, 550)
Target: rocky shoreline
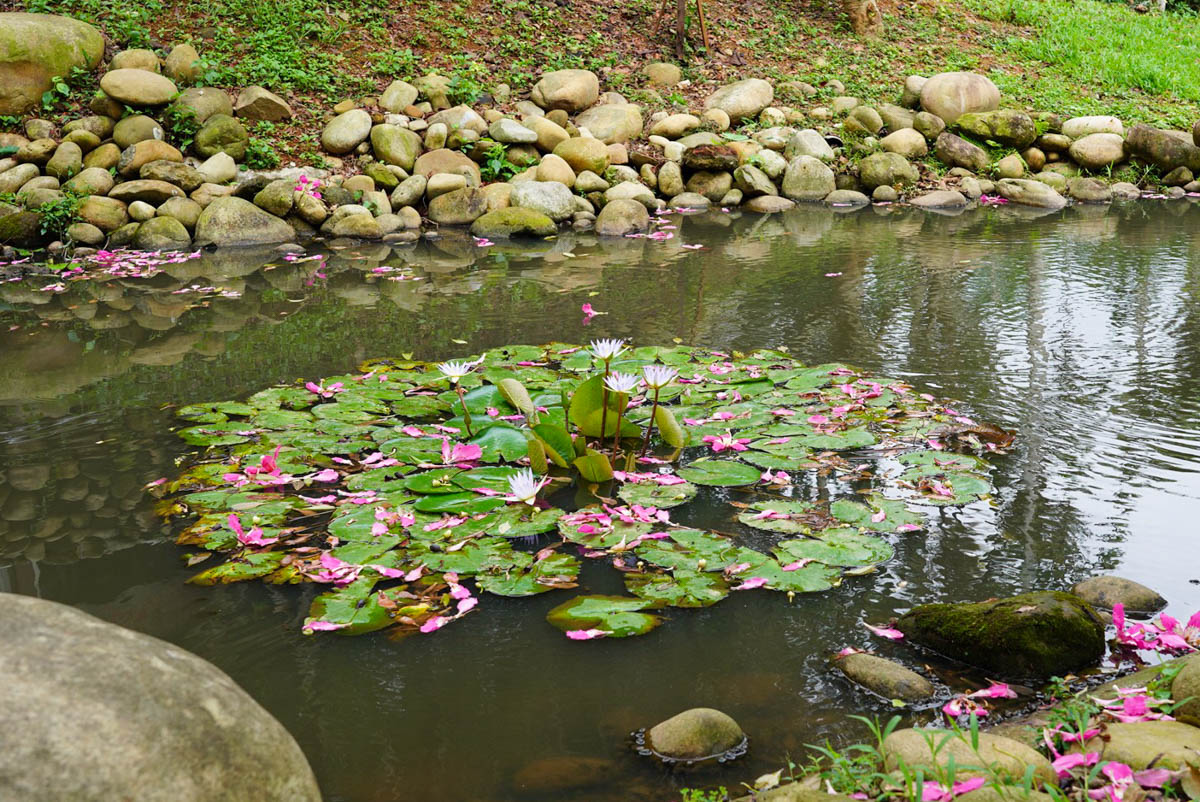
(408, 164)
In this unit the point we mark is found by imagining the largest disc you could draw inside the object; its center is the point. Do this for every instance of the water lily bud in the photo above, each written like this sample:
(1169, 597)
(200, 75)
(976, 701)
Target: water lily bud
(255, 519)
(701, 564)
(791, 595)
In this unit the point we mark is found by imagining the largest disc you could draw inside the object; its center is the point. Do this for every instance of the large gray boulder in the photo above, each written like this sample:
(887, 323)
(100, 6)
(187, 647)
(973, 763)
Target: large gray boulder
(37, 47)
(950, 95)
(741, 99)
(996, 756)
(1028, 192)
(92, 711)
(958, 152)
(622, 216)
(395, 145)
(514, 222)
(548, 197)
(1162, 149)
(807, 178)
(1106, 591)
(138, 87)
(344, 132)
(612, 122)
(232, 221)
(1096, 151)
(1014, 129)
(886, 169)
(569, 90)
(697, 733)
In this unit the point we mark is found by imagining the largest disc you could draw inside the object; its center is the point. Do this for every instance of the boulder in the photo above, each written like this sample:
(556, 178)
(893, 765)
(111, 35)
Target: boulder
(940, 199)
(409, 191)
(444, 160)
(102, 127)
(549, 133)
(550, 198)
(712, 185)
(85, 234)
(185, 210)
(202, 102)
(742, 99)
(691, 201)
(670, 180)
(22, 229)
(183, 731)
(695, 734)
(232, 221)
(907, 142)
(257, 103)
(106, 214)
(910, 96)
(895, 118)
(135, 59)
(612, 122)
(221, 134)
(929, 125)
(398, 96)
(1097, 151)
(66, 161)
(395, 145)
(807, 179)
(458, 208)
(808, 142)
(218, 168)
(459, 118)
(514, 222)
(134, 157)
(768, 204)
(1077, 127)
(181, 175)
(622, 216)
(661, 73)
(510, 132)
(631, 190)
(1186, 685)
(1037, 634)
(90, 181)
(1105, 591)
(37, 47)
(1142, 744)
(674, 126)
(950, 95)
(148, 190)
(753, 182)
(38, 151)
(555, 168)
(884, 677)
(886, 169)
(182, 64)
(135, 87)
(1010, 128)
(346, 131)
(1011, 166)
(136, 128)
(1029, 192)
(864, 119)
(277, 197)
(957, 152)
(1162, 149)
(1089, 190)
(14, 178)
(354, 222)
(161, 234)
(569, 90)
(997, 757)
(583, 153)
(712, 158)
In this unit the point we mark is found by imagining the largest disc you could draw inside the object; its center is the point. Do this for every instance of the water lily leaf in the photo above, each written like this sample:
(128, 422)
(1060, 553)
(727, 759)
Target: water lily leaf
(669, 429)
(809, 579)
(418, 406)
(516, 395)
(594, 467)
(485, 553)
(480, 399)
(696, 550)
(786, 517)
(492, 478)
(616, 616)
(521, 520)
(587, 406)
(355, 607)
(552, 573)
(620, 532)
(440, 480)
(652, 494)
(286, 397)
(792, 461)
(501, 442)
(945, 461)
(935, 486)
(214, 413)
(458, 503)
(720, 473)
(843, 547)
(856, 437)
(215, 434)
(682, 588)
(251, 565)
(894, 514)
(560, 448)
(281, 419)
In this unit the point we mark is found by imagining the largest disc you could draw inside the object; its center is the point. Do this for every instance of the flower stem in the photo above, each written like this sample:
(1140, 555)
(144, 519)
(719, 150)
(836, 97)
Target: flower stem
(622, 400)
(462, 399)
(650, 426)
(604, 402)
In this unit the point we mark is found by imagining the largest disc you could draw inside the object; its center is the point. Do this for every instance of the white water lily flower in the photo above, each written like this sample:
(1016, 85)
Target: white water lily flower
(456, 370)
(659, 376)
(618, 382)
(524, 486)
(607, 349)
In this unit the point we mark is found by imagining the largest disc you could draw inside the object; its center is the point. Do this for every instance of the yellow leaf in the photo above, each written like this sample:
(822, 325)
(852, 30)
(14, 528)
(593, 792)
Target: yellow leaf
(459, 342)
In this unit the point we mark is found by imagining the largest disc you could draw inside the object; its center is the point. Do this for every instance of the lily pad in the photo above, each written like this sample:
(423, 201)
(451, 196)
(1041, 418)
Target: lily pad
(681, 588)
(615, 616)
(720, 473)
(652, 494)
(786, 517)
(846, 548)
(555, 572)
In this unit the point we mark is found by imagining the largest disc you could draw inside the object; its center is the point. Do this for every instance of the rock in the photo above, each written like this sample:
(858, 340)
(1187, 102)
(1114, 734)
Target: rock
(398, 96)
(218, 168)
(102, 127)
(460, 118)
(38, 151)
(90, 181)
(1140, 744)
(183, 731)
(1011, 166)
(134, 157)
(37, 47)
(865, 119)
(612, 123)
(256, 103)
(889, 169)
(555, 168)
(135, 59)
(140, 211)
(910, 97)
(382, 175)
(221, 134)
(741, 100)
(712, 185)
(583, 153)
(66, 161)
(136, 128)
(569, 90)
(1125, 191)
(622, 216)
(22, 229)
(1089, 190)
(997, 756)
(105, 157)
(550, 198)
(203, 102)
(1030, 193)
(277, 197)
(14, 178)
(661, 73)
(1012, 129)
(85, 234)
(884, 194)
(1179, 177)
(1186, 685)
(313, 210)
(1096, 151)
(549, 133)
(182, 64)
(940, 199)
(1162, 149)
(184, 210)
(206, 193)
(1078, 127)
(674, 126)
(807, 179)
(1031, 635)
(409, 191)
(106, 214)
(694, 734)
(670, 180)
(884, 677)
(395, 145)
(1105, 591)
(717, 119)
(711, 158)
(907, 142)
(152, 192)
(929, 125)
(135, 87)
(458, 208)
(768, 204)
(843, 104)
(232, 221)
(632, 190)
(346, 131)
(511, 132)
(354, 222)
(161, 234)
(958, 152)
(514, 222)
(86, 140)
(950, 95)
(753, 182)
(691, 201)
(446, 161)
(1057, 181)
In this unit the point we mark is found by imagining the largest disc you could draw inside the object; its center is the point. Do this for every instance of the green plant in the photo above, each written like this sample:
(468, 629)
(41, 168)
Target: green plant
(395, 63)
(697, 795)
(57, 215)
(496, 165)
(181, 125)
(59, 89)
(260, 155)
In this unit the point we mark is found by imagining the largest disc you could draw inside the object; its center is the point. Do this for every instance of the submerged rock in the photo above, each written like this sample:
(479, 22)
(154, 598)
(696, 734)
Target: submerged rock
(1036, 634)
(697, 733)
(997, 756)
(886, 678)
(90, 710)
(1140, 744)
(1106, 591)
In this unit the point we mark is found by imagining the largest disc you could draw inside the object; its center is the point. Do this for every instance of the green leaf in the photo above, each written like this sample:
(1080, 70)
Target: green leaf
(587, 405)
(720, 473)
(652, 494)
(594, 467)
(894, 510)
(521, 520)
(355, 606)
(515, 394)
(802, 517)
(440, 480)
(669, 429)
(492, 478)
(838, 547)
(809, 579)
(617, 616)
(557, 442)
(682, 588)
(215, 434)
(458, 503)
(555, 572)
(251, 565)
(502, 442)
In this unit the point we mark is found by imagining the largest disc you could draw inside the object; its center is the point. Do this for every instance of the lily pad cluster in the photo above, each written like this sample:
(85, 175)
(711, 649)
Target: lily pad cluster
(406, 488)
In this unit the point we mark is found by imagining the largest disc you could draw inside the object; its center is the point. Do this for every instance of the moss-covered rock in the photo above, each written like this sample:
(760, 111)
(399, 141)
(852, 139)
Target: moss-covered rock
(162, 234)
(889, 680)
(221, 134)
(514, 222)
(886, 169)
(458, 208)
(22, 229)
(1186, 685)
(1014, 129)
(1162, 149)
(1141, 744)
(997, 757)
(697, 733)
(234, 221)
(36, 47)
(1036, 634)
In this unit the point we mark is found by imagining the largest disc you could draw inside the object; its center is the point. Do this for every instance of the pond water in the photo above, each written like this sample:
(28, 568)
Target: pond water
(1079, 330)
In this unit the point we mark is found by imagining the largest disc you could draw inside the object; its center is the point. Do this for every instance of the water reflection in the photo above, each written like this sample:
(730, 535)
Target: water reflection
(1079, 329)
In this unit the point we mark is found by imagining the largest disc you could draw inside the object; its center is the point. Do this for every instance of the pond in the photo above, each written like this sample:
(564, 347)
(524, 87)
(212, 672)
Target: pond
(1078, 330)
